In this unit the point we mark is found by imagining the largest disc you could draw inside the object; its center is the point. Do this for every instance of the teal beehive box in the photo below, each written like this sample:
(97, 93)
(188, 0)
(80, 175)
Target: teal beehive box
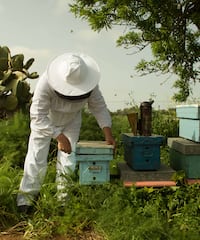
(189, 121)
(142, 152)
(94, 159)
(190, 111)
(185, 155)
(189, 129)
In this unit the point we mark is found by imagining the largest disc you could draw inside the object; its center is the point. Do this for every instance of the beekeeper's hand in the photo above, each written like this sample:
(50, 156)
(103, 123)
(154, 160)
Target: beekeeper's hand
(64, 143)
(109, 137)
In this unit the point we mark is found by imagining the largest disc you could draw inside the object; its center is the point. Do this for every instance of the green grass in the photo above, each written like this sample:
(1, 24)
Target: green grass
(110, 210)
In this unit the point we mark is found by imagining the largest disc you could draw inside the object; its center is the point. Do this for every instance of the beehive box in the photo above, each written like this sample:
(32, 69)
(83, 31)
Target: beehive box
(191, 111)
(185, 155)
(142, 152)
(94, 158)
(189, 129)
(189, 121)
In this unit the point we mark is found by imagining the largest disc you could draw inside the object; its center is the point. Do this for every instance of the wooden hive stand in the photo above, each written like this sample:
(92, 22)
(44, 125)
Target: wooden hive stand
(156, 178)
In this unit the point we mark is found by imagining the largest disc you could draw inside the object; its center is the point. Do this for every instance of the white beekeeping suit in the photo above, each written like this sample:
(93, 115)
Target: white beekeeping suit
(69, 83)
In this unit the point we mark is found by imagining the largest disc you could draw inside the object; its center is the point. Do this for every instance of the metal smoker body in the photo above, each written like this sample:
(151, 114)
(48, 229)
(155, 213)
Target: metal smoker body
(145, 124)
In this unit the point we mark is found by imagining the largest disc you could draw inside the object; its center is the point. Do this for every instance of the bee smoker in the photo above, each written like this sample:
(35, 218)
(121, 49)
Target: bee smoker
(145, 122)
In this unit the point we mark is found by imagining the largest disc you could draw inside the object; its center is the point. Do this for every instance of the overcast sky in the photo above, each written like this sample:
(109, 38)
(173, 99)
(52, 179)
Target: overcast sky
(43, 29)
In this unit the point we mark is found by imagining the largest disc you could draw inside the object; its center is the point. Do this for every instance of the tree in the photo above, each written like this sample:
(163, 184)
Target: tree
(170, 27)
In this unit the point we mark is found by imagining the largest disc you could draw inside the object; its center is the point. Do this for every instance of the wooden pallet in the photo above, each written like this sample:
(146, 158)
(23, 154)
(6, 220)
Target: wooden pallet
(157, 178)
(150, 184)
(192, 181)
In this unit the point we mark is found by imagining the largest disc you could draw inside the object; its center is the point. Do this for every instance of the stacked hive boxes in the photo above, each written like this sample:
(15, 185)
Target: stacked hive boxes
(93, 158)
(185, 150)
(142, 165)
(189, 121)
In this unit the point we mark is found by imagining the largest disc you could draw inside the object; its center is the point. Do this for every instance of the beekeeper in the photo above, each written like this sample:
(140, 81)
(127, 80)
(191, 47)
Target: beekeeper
(68, 84)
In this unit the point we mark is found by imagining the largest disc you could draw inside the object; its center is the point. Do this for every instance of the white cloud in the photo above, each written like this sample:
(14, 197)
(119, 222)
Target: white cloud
(87, 35)
(61, 7)
(1, 8)
(41, 56)
(29, 52)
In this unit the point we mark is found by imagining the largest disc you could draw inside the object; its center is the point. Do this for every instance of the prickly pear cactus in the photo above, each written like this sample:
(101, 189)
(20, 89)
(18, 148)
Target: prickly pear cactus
(14, 89)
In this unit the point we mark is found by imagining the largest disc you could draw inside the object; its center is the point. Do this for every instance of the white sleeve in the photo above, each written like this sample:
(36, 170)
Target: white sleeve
(39, 110)
(98, 108)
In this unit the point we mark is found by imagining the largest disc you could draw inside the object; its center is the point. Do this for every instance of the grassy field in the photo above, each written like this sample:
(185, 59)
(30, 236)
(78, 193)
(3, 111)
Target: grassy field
(108, 211)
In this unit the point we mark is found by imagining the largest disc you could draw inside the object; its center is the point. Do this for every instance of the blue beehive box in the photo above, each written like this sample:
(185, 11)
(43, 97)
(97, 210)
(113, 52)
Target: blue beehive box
(189, 121)
(142, 152)
(94, 158)
(189, 129)
(191, 111)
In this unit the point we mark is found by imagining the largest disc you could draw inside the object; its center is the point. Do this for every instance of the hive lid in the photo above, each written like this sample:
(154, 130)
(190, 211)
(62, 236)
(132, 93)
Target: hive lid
(94, 147)
(184, 146)
(153, 139)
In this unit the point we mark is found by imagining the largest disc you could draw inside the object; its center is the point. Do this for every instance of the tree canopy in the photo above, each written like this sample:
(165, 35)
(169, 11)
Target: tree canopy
(170, 27)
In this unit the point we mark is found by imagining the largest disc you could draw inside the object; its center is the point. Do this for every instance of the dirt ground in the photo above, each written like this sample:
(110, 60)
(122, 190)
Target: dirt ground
(16, 233)
(20, 237)
(11, 237)
(85, 236)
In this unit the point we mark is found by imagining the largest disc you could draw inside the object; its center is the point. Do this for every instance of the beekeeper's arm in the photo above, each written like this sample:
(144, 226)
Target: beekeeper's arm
(98, 108)
(40, 122)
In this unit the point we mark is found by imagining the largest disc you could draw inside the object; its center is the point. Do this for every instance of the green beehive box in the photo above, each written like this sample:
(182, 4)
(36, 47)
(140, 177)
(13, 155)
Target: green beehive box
(185, 155)
(94, 158)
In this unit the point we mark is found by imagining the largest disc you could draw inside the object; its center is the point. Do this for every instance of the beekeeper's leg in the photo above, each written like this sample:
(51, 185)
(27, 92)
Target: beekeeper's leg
(35, 167)
(66, 163)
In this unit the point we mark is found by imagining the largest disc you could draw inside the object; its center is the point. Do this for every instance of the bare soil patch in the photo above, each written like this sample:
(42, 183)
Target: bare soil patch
(11, 237)
(87, 235)
(16, 233)
(84, 236)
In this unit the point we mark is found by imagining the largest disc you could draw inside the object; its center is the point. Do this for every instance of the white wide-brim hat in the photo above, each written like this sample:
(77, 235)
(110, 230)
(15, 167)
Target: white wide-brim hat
(73, 74)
